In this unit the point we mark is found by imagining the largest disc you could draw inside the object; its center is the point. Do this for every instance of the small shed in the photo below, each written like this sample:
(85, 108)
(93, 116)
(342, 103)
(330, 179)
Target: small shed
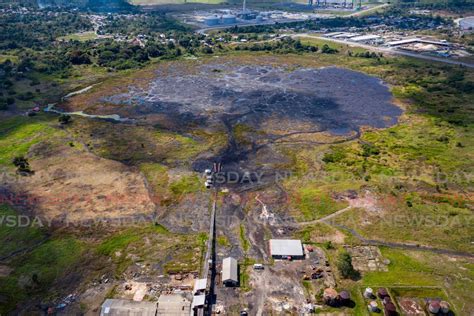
(230, 272)
(198, 301)
(200, 286)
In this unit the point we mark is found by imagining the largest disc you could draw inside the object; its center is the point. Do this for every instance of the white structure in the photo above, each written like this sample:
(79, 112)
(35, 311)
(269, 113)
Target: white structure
(285, 248)
(417, 40)
(345, 35)
(365, 38)
(230, 273)
(116, 307)
(200, 286)
(467, 24)
(198, 301)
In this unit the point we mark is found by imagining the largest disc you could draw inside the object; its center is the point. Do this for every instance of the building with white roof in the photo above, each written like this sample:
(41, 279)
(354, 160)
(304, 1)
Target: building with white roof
(200, 286)
(285, 248)
(198, 301)
(365, 38)
(230, 273)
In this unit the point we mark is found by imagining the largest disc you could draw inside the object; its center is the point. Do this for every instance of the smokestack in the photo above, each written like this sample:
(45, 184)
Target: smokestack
(244, 6)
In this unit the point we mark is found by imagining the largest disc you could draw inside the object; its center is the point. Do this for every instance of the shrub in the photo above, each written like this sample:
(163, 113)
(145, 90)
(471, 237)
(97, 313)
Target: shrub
(64, 119)
(22, 164)
(328, 50)
(344, 264)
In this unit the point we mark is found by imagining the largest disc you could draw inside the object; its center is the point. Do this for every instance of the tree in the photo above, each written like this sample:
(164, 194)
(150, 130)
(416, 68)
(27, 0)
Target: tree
(344, 264)
(22, 164)
(64, 119)
(328, 50)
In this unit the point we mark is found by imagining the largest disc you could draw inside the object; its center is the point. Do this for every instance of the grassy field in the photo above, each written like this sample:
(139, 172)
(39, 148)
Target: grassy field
(81, 37)
(36, 271)
(19, 133)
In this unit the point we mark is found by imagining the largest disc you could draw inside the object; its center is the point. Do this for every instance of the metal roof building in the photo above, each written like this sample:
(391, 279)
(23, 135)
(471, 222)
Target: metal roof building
(116, 307)
(230, 273)
(200, 286)
(173, 305)
(284, 248)
(365, 38)
(417, 40)
(198, 301)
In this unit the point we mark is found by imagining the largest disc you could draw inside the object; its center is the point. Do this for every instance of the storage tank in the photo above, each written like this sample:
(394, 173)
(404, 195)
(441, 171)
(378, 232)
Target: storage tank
(229, 19)
(211, 20)
(259, 18)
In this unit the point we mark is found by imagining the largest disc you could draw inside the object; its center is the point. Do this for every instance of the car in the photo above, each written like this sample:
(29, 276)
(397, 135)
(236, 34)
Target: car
(258, 266)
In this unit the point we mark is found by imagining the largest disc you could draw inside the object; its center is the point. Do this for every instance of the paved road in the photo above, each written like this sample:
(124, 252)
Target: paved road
(389, 51)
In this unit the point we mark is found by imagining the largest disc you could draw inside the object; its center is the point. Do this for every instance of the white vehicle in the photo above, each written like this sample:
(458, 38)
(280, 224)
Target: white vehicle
(258, 266)
(208, 172)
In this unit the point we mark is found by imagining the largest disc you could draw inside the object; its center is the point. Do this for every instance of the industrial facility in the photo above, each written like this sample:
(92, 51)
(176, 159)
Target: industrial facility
(286, 249)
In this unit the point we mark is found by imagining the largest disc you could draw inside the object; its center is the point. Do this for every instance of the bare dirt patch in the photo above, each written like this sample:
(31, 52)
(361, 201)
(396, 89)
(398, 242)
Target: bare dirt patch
(367, 258)
(5, 271)
(410, 306)
(71, 185)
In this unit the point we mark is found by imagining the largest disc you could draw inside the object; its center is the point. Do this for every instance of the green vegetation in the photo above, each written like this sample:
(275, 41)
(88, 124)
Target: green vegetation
(315, 232)
(35, 271)
(14, 238)
(286, 45)
(244, 278)
(403, 270)
(313, 203)
(223, 241)
(81, 36)
(19, 133)
(185, 185)
(344, 265)
(243, 238)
